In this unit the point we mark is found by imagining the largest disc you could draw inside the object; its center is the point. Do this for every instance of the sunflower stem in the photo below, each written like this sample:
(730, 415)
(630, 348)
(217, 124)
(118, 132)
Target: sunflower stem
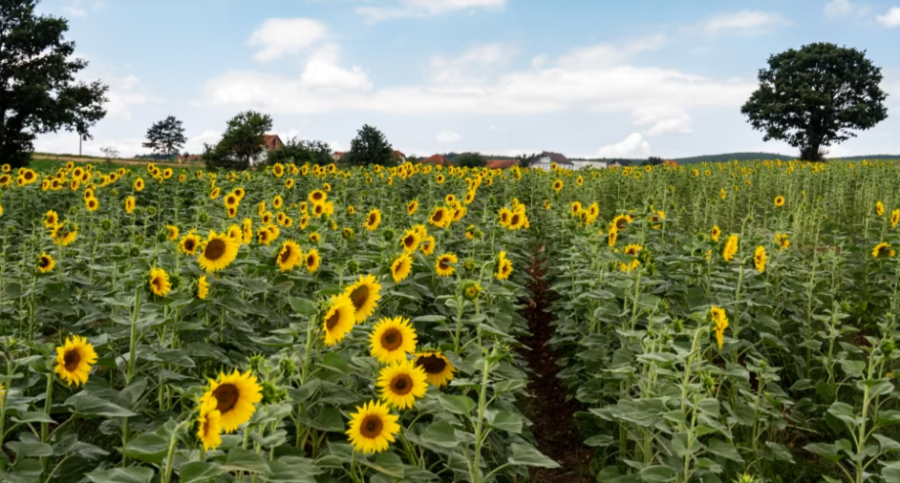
(48, 403)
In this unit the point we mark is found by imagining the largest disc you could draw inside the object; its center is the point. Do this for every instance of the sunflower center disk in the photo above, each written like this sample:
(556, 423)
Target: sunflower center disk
(72, 358)
(392, 339)
(401, 385)
(286, 255)
(371, 427)
(226, 396)
(332, 321)
(431, 364)
(215, 249)
(359, 296)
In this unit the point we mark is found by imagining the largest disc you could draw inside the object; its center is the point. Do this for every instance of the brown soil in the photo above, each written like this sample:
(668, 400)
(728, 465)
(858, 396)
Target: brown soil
(553, 416)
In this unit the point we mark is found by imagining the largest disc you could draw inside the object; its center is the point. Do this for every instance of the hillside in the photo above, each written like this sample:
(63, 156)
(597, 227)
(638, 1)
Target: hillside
(721, 158)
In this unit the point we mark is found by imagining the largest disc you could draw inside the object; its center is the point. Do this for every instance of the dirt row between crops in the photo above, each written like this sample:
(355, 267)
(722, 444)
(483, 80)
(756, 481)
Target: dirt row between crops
(553, 416)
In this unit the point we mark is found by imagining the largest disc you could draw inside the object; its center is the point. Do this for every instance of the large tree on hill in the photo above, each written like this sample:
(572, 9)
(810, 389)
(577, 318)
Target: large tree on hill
(815, 96)
(370, 147)
(244, 139)
(166, 137)
(38, 91)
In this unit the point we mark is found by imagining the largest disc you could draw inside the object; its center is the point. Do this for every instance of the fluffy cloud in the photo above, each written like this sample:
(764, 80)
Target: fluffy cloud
(278, 37)
(746, 21)
(633, 146)
(425, 8)
(471, 65)
(125, 93)
(322, 72)
(891, 19)
(448, 137)
(844, 9)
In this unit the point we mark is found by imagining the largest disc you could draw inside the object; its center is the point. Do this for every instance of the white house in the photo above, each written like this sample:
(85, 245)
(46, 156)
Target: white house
(584, 163)
(272, 142)
(545, 159)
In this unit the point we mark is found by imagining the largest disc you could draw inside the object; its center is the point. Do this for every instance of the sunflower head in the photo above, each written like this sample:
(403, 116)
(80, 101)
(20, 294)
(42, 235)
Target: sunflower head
(401, 383)
(883, 250)
(392, 339)
(45, 263)
(159, 282)
(339, 319)
(401, 267)
(171, 232)
(372, 428)
(312, 260)
(759, 259)
(74, 360)
(289, 256)
(235, 396)
(209, 425)
(779, 201)
(444, 265)
(471, 290)
(202, 288)
(218, 252)
(373, 219)
(410, 241)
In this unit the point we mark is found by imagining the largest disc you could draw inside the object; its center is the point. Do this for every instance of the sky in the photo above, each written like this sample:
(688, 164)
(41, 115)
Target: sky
(586, 78)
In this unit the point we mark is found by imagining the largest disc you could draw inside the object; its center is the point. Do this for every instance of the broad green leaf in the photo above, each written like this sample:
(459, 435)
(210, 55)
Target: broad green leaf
(725, 450)
(30, 449)
(528, 455)
(456, 404)
(825, 450)
(240, 459)
(87, 405)
(658, 474)
(199, 471)
(440, 434)
(122, 475)
(508, 422)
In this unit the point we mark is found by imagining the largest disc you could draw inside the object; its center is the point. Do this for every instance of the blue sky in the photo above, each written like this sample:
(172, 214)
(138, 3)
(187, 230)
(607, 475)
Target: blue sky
(581, 77)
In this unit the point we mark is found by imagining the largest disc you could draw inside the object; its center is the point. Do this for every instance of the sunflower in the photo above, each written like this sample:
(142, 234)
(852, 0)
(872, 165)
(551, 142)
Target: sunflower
(883, 250)
(471, 289)
(289, 256)
(61, 235)
(172, 232)
(235, 232)
(51, 219)
(759, 259)
(879, 208)
(410, 241)
(504, 267)
(313, 260)
(401, 383)
(202, 288)
(632, 250)
(277, 202)
(209, 425)
(558, 185)
(235, 396)
(720, 319)
(74, 360)
(575, 208)
(731, 248)
(427, 246)
(440, 217)
(159, 282)
(364, 294)
(45, 263)
(629, 266)
(782, 240)
(315, 237)
(503, 216)
(392, 339)
(714, 233)
(339, 320)
(373, 219)
(316, 197)
(401, 267)
(517, 221)
(91, 204)
(139, 184)
(438, 369)
(444, 265)
(289, 183)
(218, 252)
(621, 222)
(779, 201)
(372, 428)
(129, 205)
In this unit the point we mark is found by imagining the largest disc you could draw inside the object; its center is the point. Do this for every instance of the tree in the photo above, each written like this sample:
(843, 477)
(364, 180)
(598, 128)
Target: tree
(370, 147)
(302, 152)
(244, 140)
(470, 160)
(166, 137)
(815, 96)
(38, 92)
(110, 153)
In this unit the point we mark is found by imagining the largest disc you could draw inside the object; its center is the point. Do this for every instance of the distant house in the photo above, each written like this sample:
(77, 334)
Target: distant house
(401, 156)
(589, 163)
(500, 163)
(272, 143)
(545, 159)
(619, 162)
(337, 155)
(437, 160)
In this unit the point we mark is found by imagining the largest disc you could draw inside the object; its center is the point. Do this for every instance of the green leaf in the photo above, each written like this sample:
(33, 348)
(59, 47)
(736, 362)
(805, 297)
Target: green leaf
(877, 387)
(122, 475)
(88, 405)
(197, 471)
(887, 444)
(440, 434)
(725, 450)
(891, 472)
(601, 440)
(507, 421)
(658, 474)
(456, 404)
(148, 447)
(30, 449)
(429, 318)
(828, 451)
(843, 412)
(303, 306)
(33, 417)
(528, 455)
(240, 459)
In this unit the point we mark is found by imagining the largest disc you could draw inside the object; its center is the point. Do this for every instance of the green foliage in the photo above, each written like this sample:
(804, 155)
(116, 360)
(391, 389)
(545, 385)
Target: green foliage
(244, 140)
(470, 160)
(40, 95)
(816, 96)
(301, 152)
(370, 147)
(166, 137)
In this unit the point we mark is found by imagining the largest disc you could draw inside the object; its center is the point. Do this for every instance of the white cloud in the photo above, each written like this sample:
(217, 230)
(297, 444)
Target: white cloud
(662, 119)
(633, 146)
(745, 21)
(890, 19)
(74, 11)
(124, 93)
(845, 8)
(194, 144)
(448, 137)
(470, 65)
(426, 8)
(278, 37)
(322, 72)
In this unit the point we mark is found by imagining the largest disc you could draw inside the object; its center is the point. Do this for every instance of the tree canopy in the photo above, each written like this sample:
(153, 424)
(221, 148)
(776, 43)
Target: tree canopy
(301, 152)
(816, 96)
(244, 139)
(370, 146)
(38, 91)
(470, 160)
(166, 137)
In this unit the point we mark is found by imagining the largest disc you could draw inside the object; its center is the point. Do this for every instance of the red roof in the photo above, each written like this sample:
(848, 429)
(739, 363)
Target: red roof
(273, 142)
(400, 154)
(437, 159)
(500, 163)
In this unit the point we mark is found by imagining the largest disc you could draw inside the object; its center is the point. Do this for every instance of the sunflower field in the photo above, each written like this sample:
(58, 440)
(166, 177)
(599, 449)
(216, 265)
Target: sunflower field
(733, 322)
